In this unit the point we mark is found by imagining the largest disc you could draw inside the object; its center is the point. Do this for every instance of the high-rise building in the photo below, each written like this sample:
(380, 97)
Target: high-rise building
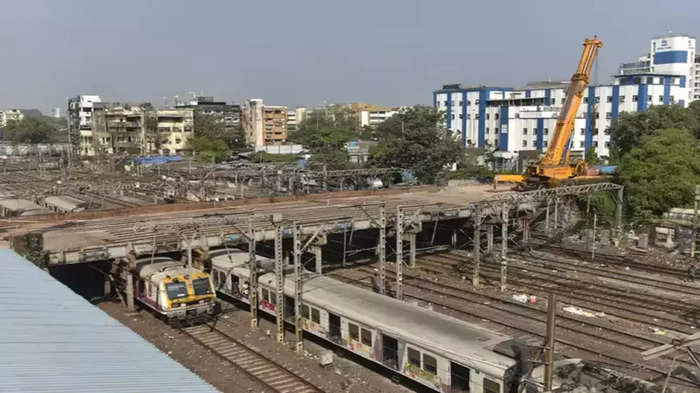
(80, 122)
(228, 114)
(671, 54)
(264, 124)
(56, 112)
(514, 120)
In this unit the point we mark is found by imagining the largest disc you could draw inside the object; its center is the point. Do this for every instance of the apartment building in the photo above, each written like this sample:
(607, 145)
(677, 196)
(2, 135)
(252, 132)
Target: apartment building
(80, 122)
(228, 114)
(10, 115)
(264, 124)
(121, 128)
(175, 128)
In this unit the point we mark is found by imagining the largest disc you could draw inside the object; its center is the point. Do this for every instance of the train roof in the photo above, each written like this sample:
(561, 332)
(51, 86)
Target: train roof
(226, 260)
(162, 267)
(442, 334)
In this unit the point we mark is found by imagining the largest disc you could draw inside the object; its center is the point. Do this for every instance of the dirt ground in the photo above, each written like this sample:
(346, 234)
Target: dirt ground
(345, 375)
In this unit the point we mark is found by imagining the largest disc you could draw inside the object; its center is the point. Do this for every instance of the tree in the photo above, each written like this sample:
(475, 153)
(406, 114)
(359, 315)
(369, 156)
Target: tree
(414, 140)
(661, 173)
(629, 130)
(30, 130)
(209, 149)
(212, 127)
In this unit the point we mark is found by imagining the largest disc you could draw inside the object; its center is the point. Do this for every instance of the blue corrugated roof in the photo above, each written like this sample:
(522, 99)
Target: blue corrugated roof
(53, 340)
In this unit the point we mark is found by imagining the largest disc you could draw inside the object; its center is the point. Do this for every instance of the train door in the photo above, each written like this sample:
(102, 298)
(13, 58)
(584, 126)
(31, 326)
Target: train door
(334, 328)
(459, 378)
(289, 311)
(390, 352)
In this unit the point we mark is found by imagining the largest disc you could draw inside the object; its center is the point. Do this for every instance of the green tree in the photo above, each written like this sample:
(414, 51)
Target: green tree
(629, 130)
(414, 140)
(209, 149)
(660, 173)
(30, 130)
(214, 128)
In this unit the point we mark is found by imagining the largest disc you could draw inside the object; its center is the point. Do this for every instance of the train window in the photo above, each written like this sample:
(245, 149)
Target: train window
(176, 290)
(413, 357)
(201, 286)
(305, 311)
(491, 386)
(315, 315)
(265, 295)
(429, 364)
(273, 297)
(367, 337)
(354, 332)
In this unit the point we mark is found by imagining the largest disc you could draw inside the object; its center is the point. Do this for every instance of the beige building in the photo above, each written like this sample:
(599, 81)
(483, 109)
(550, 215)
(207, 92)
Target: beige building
(138, 129)
(264, 124)
(10, 115)
(175, 128)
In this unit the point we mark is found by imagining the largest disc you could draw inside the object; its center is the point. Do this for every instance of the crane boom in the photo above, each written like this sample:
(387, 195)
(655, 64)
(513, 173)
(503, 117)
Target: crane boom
(572, 102)
(554, 167)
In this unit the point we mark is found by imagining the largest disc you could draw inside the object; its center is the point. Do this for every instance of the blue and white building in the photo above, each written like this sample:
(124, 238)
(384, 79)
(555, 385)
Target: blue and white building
(514, 120)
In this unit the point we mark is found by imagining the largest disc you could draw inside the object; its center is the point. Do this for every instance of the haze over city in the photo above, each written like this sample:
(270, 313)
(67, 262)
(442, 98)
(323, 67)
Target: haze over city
(309, 52)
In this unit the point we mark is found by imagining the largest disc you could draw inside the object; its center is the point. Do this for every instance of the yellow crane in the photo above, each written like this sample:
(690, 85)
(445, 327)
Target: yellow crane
(555, 167)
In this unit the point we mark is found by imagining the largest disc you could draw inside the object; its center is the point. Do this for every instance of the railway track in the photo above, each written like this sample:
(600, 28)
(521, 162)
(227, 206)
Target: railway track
(259, 367)
(540, 278)
(504, 316)
(611, 259)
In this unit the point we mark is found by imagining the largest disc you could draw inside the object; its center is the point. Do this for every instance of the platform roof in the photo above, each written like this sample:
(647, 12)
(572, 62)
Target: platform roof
(55, 341)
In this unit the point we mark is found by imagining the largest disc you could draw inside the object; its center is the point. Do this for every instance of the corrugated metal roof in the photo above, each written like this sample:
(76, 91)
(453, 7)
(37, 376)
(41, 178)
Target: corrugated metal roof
(53, 340)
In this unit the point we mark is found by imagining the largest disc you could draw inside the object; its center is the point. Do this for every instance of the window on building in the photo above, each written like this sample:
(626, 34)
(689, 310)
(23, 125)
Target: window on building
(597, 115)
(595, 131)
(495, 130)
(534, 143)
(496, 116)
(476, 116)
(595, 143)
(453, 116)
(534, 131)
(413, 357)
(583, 131)
(609, 99)
(476, 102)
(585, 100)
(553, 101)
(469, 116)
(622, 99)
(661, 98)
(607, 144)
(673, 100)
(635, 98)
(461, 116)
(650, 98)
(354, 332)
(487, 130)
(608, 115)
(305, 311)
(487, 116)
(524, 131)
(606, 131)
(429, 364)
(524, 143)
(545, 143)
(367, 337)
(546, 131)
(580, 144)
(315, 315)
(597, 100)
(460, 103)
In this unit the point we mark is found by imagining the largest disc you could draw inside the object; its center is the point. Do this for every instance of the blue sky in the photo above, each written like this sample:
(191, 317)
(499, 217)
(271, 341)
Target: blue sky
(309, 52)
